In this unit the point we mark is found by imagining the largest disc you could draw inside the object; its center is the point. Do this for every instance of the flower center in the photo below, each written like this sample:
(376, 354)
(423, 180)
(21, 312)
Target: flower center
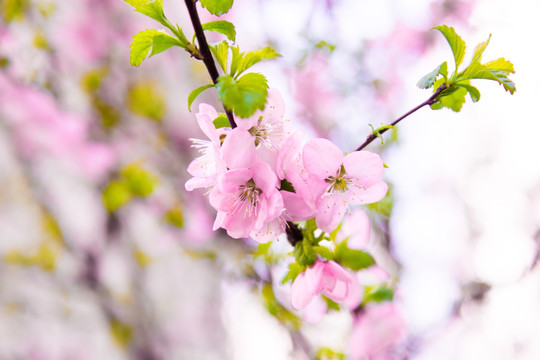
(339, 183)
(266, 133)
(247, 199)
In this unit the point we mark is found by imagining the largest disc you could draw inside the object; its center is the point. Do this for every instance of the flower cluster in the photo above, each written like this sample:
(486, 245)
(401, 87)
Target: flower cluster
(261, 175)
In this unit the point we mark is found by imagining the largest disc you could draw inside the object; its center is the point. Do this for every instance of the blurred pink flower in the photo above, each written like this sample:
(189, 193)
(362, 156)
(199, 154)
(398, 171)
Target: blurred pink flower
(326, 278)
(377, 332)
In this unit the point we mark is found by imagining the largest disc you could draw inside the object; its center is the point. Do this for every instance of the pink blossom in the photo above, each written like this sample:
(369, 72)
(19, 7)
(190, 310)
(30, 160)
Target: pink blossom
(377, 332)
(326, 278)
(338, 180)
(269, 127)
(206, 168)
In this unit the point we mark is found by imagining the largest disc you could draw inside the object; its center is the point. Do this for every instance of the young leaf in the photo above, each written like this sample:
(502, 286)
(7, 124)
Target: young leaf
(456, 43)
(222, 27)
(149, 43)
(221, 121)
(500, 64)
(351, 258)
(151, 8)
(479, 50)
(221, 52)
(455, 99)
(324, 252)
(429, 79)
(304, 253)
(292, 274)
(236, 58)
(378, 294)
(244, 95)
(217, 7)
(473, 92)
(193, 95)
(479, 71)
(251, 58)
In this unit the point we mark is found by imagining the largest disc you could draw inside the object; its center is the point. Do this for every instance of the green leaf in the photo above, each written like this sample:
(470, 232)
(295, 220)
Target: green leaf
(14, 10)
(479, 71)
(351, 258)
(217, 7)
(324, 252)
(473, 92)
(456, 43)
(500, 64)
(221, 121)
(221, 53)
(245, 95)
(429, 79)
(292, 274)
(304, 253)
(286, 186)
(151, 8)
(193, 95)
(332, 305)
(222, 27)
(455, 99)
(253, 57)
(479, 50)
(175, 217)
(436, 106)
(140, 182)
(150, 42)
(236, 58)
(378, 294)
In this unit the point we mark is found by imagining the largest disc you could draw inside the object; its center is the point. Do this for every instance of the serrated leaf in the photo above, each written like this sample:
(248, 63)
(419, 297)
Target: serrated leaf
(429, 79)
(351, 258)
(245, 95)
(479, 50)
(304, 253)
(455, 99)
(479, 71)
(473, 92)
(500, 64)
(456, 43)
(221, 53)
(221, 121)
(253, 57)
(222, 27)
(195, 93)
(151, 8)
(217, 7)
(150, 42)
(236, 58)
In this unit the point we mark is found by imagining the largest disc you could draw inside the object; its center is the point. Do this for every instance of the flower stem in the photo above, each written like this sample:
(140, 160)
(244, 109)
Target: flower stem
(204, 50)
(432, 99)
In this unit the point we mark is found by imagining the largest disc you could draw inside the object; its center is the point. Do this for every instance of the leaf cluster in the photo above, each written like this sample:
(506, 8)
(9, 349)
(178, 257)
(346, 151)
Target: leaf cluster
(457, 85)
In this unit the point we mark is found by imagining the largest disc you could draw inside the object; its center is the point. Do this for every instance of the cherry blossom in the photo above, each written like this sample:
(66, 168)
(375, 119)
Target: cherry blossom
(338, 180)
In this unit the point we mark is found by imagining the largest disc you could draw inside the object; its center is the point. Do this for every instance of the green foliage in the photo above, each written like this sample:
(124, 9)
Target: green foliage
(221, 52)
(150, 8)
(222, 27)
(116, 195)
(384, 206)
(13, 10)
(221, 121)
(456, 43)
(326, 353)
(150, 42)
(324, 252)
(245, 95)
(331, 304)
(195, 93)
(147, 99)
(452, 90)
(244, 61)
(121, 333)
(175, 217)
(377, 294)
(351, 258)
(277, 310)
(140, 182)
(304, 253)
(217, 7)
(292, 274)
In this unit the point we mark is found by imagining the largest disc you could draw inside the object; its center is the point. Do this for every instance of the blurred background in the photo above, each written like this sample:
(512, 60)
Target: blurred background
(104, 255)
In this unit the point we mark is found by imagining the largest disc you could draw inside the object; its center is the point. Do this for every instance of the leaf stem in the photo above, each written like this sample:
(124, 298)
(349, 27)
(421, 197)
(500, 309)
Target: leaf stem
(432, 99)
(204, 50)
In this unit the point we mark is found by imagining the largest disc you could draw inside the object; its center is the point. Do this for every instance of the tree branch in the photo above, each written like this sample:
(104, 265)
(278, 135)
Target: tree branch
(430, 101)
(204, 50)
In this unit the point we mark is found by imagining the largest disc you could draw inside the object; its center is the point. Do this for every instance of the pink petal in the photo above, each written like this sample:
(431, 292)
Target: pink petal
(330, 211)
(296, 206)
(314, 276)
(275, 205)
(264, 177)
(374, 193)
(238, 149)
(230, 181)
(269, 231)
(321, 158)
(300, 294)
(356, 228)
(366, 168)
